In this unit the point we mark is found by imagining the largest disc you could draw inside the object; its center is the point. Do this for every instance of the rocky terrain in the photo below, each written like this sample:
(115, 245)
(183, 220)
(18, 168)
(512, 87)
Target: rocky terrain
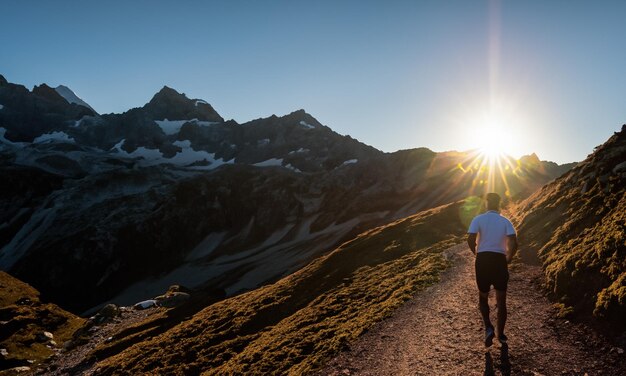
(117, 207)
(30, 330)
(575, 227)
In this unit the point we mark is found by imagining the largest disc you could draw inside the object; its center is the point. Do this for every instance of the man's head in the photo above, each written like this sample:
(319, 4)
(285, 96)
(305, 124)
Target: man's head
(493, 201)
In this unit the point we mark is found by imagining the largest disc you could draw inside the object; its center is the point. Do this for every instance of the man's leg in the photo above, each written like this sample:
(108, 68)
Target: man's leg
(483, 306)
(501, 301)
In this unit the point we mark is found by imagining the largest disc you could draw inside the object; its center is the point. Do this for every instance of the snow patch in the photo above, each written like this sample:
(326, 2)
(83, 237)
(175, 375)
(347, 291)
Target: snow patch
(1, 107)
(188, 155)
(263, 142)
(291, 167)
(184, 157)
(306, 125)
(71, 97)
(171, 127)
(53, 137)
(145, 153)
(198, 101)
(349, 161)
(301, 150)
(270, 162)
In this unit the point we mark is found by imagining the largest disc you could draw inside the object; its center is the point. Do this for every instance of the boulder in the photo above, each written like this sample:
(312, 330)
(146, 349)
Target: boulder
(109, 311)
(106, 314)
(173, 299)
(145, 304)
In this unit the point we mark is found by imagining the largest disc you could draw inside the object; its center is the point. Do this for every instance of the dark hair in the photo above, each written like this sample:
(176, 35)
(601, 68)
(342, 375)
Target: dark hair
(493, 198)
(493, 201)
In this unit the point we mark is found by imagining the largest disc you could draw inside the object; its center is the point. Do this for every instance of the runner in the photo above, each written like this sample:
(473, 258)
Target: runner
(497, 245)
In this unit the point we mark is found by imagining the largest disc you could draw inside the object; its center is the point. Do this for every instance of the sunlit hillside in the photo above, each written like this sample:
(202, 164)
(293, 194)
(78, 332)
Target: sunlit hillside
(575, 227)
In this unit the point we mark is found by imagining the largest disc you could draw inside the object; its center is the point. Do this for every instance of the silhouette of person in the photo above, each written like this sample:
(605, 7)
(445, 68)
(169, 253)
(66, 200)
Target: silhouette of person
(492, 238)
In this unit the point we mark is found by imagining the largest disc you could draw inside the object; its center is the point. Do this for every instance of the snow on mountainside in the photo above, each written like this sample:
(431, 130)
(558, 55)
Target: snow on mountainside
(115, 206)
(71, 97)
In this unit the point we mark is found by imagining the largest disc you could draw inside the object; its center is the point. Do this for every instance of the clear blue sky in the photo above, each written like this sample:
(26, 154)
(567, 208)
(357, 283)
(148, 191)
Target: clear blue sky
(392, 74)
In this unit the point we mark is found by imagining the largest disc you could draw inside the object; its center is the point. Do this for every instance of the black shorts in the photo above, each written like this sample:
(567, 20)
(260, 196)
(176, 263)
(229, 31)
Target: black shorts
(491, 269)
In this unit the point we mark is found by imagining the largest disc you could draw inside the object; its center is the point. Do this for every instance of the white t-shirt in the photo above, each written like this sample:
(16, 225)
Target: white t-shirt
(492, 230)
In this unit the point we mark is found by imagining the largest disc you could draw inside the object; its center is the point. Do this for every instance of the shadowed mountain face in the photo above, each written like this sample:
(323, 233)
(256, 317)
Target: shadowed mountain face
(120, 206)
(576, 227)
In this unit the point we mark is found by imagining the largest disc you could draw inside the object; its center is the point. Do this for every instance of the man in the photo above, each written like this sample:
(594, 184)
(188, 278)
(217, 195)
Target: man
(497, 245)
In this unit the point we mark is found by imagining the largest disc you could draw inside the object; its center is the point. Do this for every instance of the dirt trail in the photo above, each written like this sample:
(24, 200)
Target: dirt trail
(440, 333)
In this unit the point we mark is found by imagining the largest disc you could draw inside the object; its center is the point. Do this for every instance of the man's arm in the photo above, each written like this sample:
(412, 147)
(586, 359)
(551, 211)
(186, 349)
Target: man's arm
(511, 246)
(471, 241)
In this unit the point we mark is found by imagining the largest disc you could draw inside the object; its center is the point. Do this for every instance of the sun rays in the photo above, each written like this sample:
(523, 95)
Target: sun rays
(490, 170)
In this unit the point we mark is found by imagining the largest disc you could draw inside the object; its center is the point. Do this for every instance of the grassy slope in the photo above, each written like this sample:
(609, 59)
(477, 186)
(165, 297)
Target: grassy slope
(24, 316)
(576, 227)
(294, 324)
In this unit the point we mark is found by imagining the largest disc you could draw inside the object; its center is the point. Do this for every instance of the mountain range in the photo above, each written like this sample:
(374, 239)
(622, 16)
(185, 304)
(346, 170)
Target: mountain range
(292, 240)
(117, 207)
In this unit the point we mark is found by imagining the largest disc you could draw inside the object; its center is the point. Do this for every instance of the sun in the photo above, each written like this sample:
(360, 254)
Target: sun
(492, 135)
(491, 142)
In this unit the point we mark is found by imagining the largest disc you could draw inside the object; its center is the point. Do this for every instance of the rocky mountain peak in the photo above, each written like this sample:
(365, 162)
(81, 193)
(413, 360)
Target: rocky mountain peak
(49, 93)
(170, 104)
(303, 118)
(530, 159)
(71, 97)
(3, 81)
